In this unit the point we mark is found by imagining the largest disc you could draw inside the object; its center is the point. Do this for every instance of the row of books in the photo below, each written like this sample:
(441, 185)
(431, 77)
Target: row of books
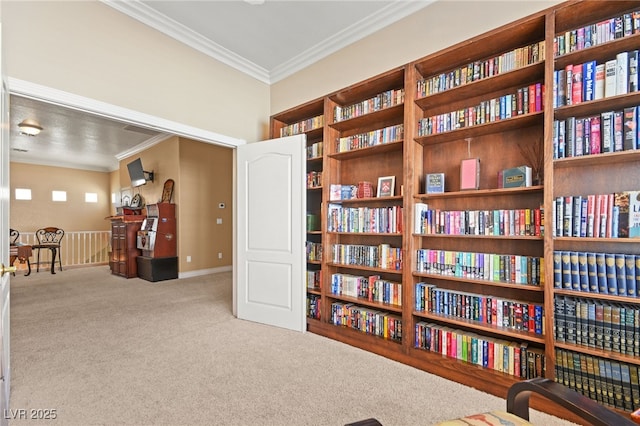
(604, 273)
(609, 382)
(589, 81)
(609, 131)
(367, 320)
(479, 70)
(502, 268)
(364, 219)
(381, 256)
(609, 326)
(314, 150)
(524, 101)
(314, 279)
(371, 138)
(381, 101)
(314, 179)
(516, 359)
(506, 313)
(303, 126)
(507, 222)
(349, 192)
(615, 215)
(371, 288)
(313, 306)
(314, 251)
(597, 33)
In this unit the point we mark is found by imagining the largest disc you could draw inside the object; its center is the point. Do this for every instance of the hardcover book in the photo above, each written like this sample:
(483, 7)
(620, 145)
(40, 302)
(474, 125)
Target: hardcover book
(621, 201)
(630, 128)
(434, 183)
(516, 177)
(634, 214)
(470, 174)
(610, 78)
(598, 92)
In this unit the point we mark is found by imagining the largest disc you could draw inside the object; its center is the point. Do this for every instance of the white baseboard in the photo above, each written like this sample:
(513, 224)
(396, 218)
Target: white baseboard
(204, 272)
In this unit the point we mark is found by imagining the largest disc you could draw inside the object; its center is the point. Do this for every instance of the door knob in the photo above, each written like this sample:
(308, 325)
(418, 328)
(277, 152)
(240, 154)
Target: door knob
(7, 269)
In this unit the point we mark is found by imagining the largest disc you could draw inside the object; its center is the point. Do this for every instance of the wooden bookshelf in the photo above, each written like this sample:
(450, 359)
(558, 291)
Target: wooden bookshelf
(431, 93)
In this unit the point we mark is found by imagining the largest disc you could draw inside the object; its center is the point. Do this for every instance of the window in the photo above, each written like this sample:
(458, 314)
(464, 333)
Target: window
(90, 197)
(58, 195)
(113, 198)
(23, 194)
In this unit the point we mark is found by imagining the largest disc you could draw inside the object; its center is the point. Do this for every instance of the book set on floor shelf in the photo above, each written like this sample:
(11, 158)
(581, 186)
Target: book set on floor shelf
(477, 150)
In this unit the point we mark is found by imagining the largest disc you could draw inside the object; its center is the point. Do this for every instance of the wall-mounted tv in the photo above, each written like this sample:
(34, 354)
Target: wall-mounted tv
(137, 173)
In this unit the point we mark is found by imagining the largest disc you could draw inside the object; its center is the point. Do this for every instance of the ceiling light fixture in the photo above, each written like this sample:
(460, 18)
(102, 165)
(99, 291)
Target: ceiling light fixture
(29, 127)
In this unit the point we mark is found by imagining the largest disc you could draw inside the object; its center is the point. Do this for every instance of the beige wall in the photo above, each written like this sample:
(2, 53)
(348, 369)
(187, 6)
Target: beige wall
(206, 180)
(89, 49)
(203, 175)
(162, 160)
(435, 27)
(72, 215)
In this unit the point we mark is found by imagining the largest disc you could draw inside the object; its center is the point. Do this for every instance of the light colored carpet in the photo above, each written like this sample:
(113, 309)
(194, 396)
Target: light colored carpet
(101, 349)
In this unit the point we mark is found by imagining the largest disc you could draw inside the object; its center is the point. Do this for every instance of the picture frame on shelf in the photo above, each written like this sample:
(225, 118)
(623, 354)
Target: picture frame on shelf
(386, 186)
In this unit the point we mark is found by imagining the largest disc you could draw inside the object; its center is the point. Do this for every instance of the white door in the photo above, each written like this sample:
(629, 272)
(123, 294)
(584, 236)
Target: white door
(4, 240)
(270, 232)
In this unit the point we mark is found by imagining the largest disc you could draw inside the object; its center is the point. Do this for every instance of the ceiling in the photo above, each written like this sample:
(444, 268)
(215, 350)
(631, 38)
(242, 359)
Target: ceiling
(268, 40)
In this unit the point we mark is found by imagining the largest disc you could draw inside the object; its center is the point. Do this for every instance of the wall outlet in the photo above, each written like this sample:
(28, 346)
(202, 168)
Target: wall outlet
(188, 259)
(219, 221)
(219, 255)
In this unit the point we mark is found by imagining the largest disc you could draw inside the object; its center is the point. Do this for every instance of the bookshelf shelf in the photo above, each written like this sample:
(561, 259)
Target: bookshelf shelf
(481, 193)
(519, 122)
(365, 302)
(483, 237)
(499, 145)
(513, 286)
(480, 87)
(504, 331)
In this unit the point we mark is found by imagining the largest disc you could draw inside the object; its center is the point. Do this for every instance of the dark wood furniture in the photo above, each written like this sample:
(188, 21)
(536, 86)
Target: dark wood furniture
(19, 252)
(518, 396)
(124, 230)
(49, 238)
(499, 143)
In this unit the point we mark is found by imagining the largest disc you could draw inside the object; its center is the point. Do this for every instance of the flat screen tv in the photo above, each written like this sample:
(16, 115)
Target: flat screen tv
(136, 173)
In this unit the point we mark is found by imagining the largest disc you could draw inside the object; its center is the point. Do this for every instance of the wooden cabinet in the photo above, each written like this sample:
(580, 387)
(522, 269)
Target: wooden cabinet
(481, 301)
(124, 231)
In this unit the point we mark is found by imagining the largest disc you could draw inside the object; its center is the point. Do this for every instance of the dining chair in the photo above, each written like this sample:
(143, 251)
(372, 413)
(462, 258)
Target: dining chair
(49, 238)
(13, 236)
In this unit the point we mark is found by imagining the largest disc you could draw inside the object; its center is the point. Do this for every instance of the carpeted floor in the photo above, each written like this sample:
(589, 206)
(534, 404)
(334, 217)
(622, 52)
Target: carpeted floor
(101, 349)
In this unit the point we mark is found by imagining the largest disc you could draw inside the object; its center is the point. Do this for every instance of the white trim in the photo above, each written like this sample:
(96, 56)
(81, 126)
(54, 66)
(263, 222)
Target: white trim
(149, 16)
(355, 32)
(69, 100)
(386, 16)
(143, 146)
(200, 272)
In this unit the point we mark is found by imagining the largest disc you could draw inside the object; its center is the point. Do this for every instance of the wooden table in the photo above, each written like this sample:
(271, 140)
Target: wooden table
(22, 253)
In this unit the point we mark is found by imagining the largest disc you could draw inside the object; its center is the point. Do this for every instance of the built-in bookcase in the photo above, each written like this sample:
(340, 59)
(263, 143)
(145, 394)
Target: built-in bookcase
(596, 347)
(309, 119)
(477, 256)
(477, 285)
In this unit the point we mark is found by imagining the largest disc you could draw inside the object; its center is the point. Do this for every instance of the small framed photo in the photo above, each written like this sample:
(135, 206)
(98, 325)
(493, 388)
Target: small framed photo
(386, 186)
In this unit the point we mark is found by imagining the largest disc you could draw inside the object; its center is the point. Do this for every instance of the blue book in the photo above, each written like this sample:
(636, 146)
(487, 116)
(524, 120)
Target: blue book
(582, 271)
(630, 274)
(588, 80)
(592, 272)
(601, 271)
(621, 274)
(610, 268)
(566, 270)
(575, 271)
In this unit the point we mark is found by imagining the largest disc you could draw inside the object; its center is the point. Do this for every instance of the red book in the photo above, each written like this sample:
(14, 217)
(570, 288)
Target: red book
(595, 135)
(576, 88)
(532, 98)
(470, 174)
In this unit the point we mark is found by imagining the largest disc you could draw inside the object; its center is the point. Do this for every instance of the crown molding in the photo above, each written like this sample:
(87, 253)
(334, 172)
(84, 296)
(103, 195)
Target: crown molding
(143, 146)
(149, 16)
(386, 16)
(355, 32)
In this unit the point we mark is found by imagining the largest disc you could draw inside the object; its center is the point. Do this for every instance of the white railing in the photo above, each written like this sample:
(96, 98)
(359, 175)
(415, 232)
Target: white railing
(78, 248)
